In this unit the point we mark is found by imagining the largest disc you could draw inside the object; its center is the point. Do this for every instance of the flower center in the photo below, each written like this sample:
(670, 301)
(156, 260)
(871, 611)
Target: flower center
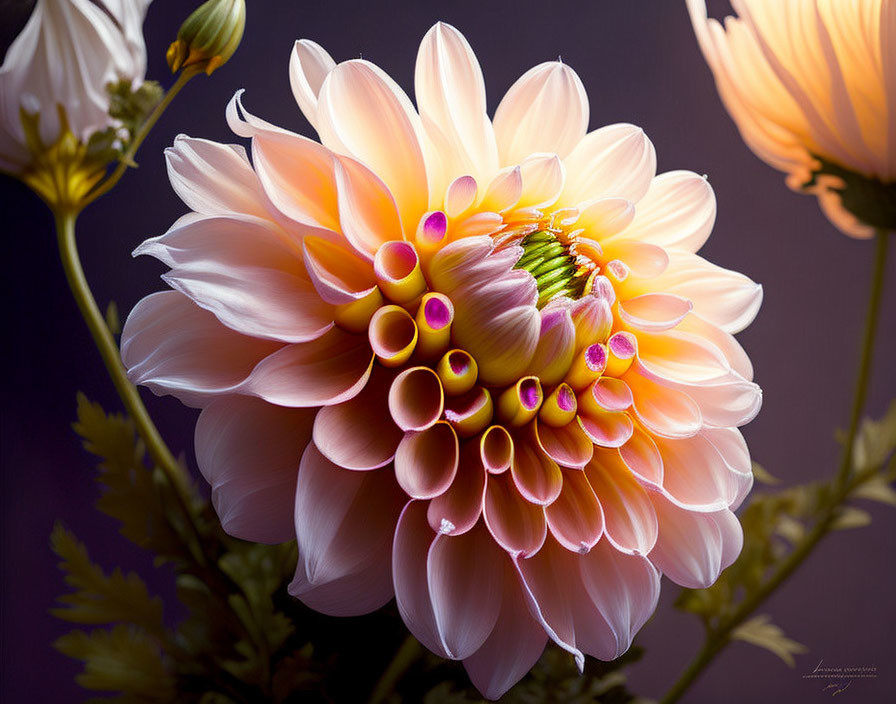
(556, 267)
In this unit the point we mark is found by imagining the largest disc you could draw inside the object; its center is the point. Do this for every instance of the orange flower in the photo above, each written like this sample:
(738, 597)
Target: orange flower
(473, 365)
(811, 85)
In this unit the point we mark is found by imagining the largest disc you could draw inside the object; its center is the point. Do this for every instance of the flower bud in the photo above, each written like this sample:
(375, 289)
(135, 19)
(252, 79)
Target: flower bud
(209, 36)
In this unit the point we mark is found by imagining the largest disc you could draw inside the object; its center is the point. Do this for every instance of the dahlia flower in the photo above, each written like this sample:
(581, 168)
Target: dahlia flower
(62, 62)
(811, 85)
(471, 364)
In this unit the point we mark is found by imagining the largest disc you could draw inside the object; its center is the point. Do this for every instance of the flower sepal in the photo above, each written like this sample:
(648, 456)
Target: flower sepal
(208, 37)
(870, 200)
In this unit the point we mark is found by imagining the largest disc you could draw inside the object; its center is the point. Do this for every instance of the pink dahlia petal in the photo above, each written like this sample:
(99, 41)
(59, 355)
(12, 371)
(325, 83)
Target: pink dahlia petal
(504, 190)
(359, 433)
(546, 110)
(512, 648)
(249, 451)
(677, 212)
(642, 457)
(367, 212)
(213, 178)
(576, 518)
(556, 346)
(450, 95)
(324, 372)
(606, 428)
(692, 547)
(464, 579)
(625, 590)
(732, 448)
(517, 525)
(363, 113)
(613, 161)
(631, 522)
(664, 411)
(608, 216)
(338, 276)
(309, 65)
(536, 476)
(653, 312)
(696, 477)
(723, 341)
(568, 446)
(543, 177)
(558, 599)
(344, 524)
(457, 510)
(173, 346)
(644, 260)
(239, 280)
(426, 462)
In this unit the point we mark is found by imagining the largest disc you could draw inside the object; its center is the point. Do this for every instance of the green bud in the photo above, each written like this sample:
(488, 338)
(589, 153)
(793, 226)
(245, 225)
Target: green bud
(209, 36)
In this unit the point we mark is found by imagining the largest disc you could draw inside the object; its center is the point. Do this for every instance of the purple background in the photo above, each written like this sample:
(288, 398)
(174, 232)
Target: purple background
(639, 63)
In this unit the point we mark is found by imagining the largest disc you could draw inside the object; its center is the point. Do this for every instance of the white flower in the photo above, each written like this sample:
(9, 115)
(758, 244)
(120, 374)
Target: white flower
(64, 58)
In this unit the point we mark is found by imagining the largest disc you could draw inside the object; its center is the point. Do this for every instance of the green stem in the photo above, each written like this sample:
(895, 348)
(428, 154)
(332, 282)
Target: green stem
(108, 349)
(719, 637)
(128, 158)
(405, 656)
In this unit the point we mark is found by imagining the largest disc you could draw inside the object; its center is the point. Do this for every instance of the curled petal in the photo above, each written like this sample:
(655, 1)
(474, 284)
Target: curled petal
(695, 475)
(460, 195)
(567, 446)
(426, 462)
(643, 458)
(339, 277)
(367, 214)
(606, 428)
(249, 451)
(496, 449)
(654, 311)
(416, 399)
(576, 518)
(664, 411)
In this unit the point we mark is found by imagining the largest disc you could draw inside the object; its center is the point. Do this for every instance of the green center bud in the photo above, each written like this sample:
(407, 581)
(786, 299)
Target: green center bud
(556, 269)
(209, 36)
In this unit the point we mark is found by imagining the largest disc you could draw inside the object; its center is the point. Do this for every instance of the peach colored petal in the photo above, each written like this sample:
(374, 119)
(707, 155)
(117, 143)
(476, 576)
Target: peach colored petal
(416, 399)
(450, 94)
(514, 645)
(696, 477)
(663, 410)
(543, 177)
(546, 110)
(172, 346)
(460, 196)
(323, 372)
(567, 446)
(363, 113)
(249, 451)
(426, 462)
(631, 522)
(605, 217)
(367, 213)
(606, 428)
(344, 524)
(592, 318)
(496, 449)
(642, 457)
(536, 476)
(677, 212)
(338, 276)
(576, 518)
(213, 178)
(643, 259)
(309, 65)
(517, 525)
(611, 394)
(681, 356)
(503, 191)
(654, 312)
(457, 510)
(613, 161)
(729, 347)
(359, 433)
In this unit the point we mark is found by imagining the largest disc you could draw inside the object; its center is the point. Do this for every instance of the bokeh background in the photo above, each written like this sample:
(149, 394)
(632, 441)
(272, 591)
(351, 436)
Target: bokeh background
(639, 63)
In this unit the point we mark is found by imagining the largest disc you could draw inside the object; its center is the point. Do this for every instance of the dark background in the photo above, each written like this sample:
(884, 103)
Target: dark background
(640, 63)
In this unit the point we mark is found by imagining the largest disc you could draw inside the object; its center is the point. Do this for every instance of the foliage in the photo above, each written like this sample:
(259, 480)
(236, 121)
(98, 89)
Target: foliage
(762, 632)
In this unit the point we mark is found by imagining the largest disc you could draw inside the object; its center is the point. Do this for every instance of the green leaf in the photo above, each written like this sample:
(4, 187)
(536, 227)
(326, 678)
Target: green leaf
(761, 475)
(99, 598)
(760, 631)
(124, 659)
(876, 490)
(851, 517)
(140, 498)
(875, 441)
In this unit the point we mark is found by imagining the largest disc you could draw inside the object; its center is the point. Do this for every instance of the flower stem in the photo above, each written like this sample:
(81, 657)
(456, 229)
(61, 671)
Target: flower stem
(842, 486)
(108, 349)
(127, 158)
(404, 657)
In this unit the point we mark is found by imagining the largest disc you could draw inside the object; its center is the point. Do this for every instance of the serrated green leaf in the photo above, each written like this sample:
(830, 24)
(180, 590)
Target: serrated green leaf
(876, 490)
(763, 476)
(99, 598)
(851, 517)
(760, 631)
(124, 659)
(875, 440)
